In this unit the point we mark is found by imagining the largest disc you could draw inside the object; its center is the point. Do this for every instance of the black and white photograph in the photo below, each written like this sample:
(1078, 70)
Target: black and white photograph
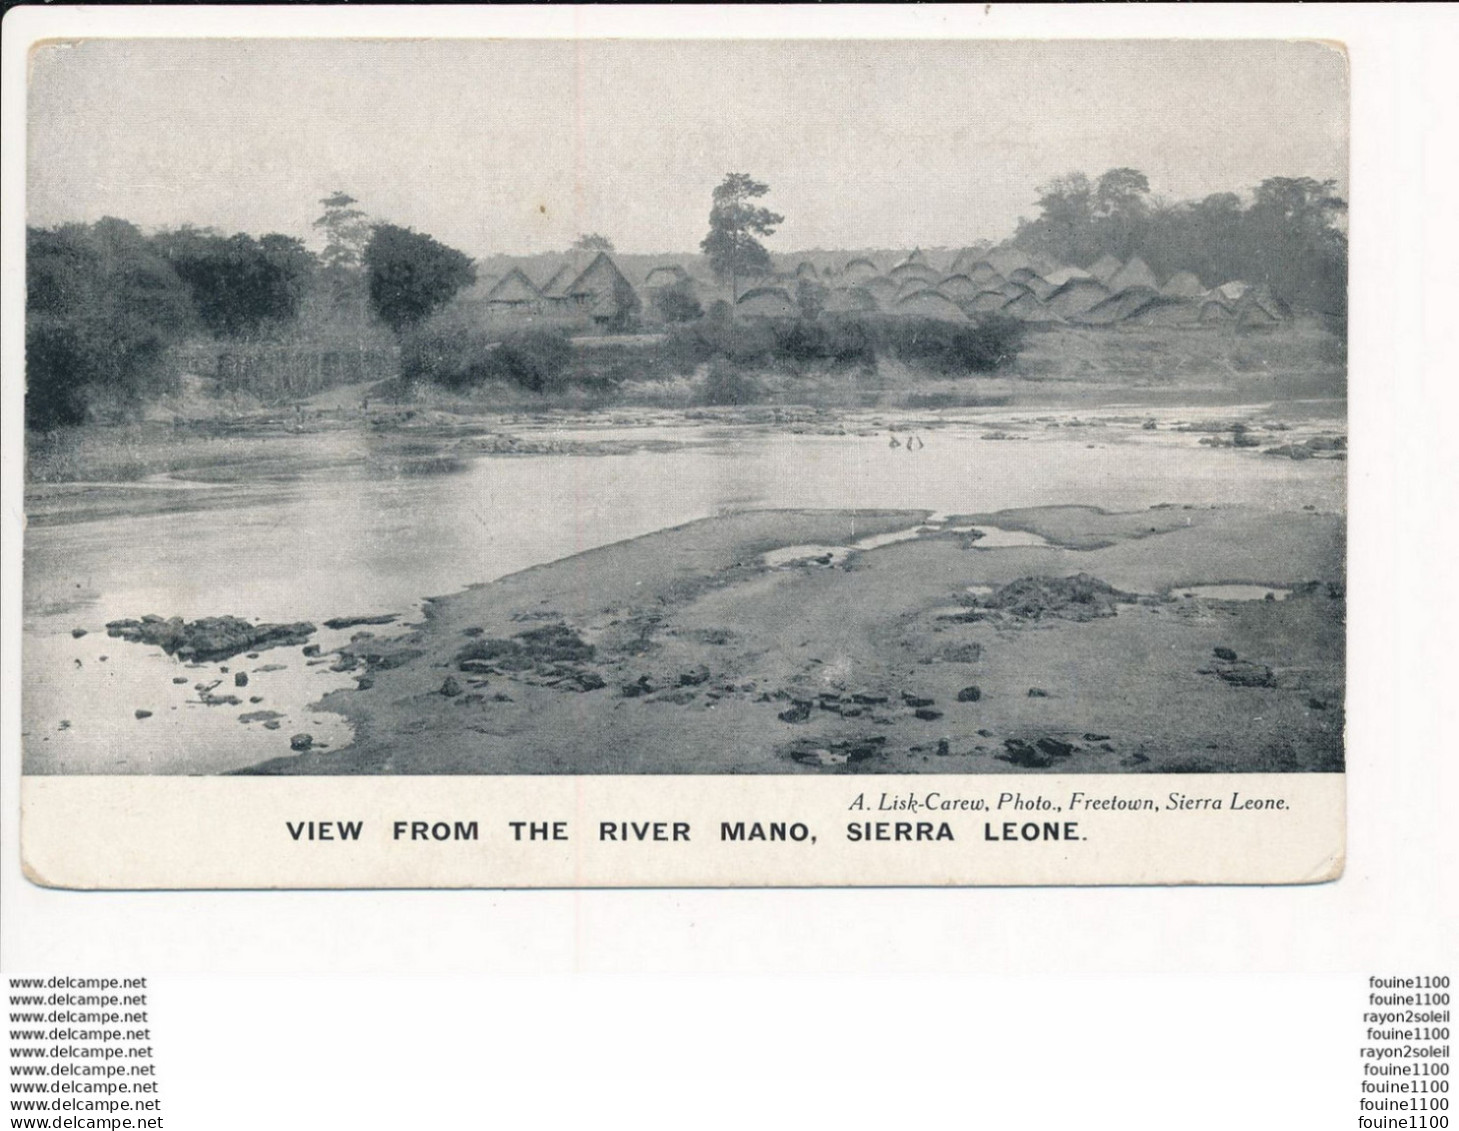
(578, 408)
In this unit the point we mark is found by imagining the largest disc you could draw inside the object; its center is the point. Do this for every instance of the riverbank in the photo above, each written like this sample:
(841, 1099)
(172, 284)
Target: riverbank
(702, 650)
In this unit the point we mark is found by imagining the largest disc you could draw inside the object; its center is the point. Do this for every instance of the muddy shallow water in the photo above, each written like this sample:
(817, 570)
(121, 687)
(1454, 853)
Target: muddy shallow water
(356, 537)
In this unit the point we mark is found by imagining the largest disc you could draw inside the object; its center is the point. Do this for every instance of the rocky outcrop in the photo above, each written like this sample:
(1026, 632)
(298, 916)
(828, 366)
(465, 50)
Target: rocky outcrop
(209, 638)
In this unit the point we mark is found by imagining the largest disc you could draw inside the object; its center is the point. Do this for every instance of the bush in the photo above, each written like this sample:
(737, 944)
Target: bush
(677, 303)
(954, 347)
(456, 357)
(727, 384)
(239, 284)
(102, 310)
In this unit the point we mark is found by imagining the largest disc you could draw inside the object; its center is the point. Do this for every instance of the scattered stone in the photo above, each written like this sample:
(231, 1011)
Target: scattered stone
(1020, 753)
(251, 656)
(78, 633)
(820, 757)
(1055, 748)
(1134, 760)
(355, 622)
(969, 653)
(1226, 654)
(984, 732)
(259, 716)
(311, 649)
(364, 683)
(473, 630)
(916, 700)
(552, 643)
(179, 679)
(301, 742)
(347, 662)
(240, 679)
(273, 725)
(211, 700)
(640, 686)
(694, 676)
(450, 689)
(944, 747)
(142, 714)
(1037, 693)
(1092, 737)
(799, 712)
(927, 714)
(476, 667)
(223, 668)
(1244, 673)
(586, 681)
(1149, 426)
(255, 698)
(970, 694)
(867, 699)
(271, 668)
(208, 639)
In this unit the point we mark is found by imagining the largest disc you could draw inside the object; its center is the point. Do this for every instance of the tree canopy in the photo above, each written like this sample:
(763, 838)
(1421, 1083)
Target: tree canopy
(239, 284)
(412, 275)
(346, 231)
(734, 223)
(592, 241)
(1288, 237)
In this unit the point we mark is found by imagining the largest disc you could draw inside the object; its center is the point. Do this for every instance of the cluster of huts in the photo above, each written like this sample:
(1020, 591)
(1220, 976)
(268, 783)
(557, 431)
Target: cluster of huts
(1011, 282)
(1006, 281)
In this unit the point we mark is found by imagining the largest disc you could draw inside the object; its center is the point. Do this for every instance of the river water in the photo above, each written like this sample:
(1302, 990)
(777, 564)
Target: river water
(350, 540)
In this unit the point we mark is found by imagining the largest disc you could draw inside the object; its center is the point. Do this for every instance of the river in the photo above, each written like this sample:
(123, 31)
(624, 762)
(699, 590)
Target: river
(347, 540)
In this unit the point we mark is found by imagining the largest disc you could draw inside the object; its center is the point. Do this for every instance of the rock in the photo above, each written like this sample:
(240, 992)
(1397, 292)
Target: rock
(179, 679)
(1055, 748)
(1092, 737)
(208, 639)
(640, 686)
(364, 683)
(311, 649)
(1244, 673)
(820, 757)
(1020, 753)
(984, 732)
(476, 667)
(1224, 654)
(916, 700)
(927, 714)
(272, 725)
(301, 742)
(694, 676)
(1134, 760)
(1149, 426)
(1317, 704)
(142, 714)
(944, 747)
(867, 699)
(251, 656)
(240, 679)
(1037, 693)
(271, 668)
(211, 700)
(970, 694)
(799, 712)
(587, 681)
(347, 662)
(259, 716)
(1078, 598)
(223, 669)
(354, 622)
(450, 689)
(473, 630)
(78, 633)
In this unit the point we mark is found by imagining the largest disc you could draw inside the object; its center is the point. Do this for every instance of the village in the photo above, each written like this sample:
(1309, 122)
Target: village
(956, 287)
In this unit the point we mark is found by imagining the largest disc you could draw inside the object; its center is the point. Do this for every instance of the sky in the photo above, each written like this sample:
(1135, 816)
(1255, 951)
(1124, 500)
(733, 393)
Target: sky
(516, 147)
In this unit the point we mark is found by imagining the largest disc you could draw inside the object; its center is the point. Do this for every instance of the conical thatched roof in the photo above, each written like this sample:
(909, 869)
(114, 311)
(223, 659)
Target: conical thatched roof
(1028, 277)
(1077, 296)
(666, 276)
(1105, 268)
(858, 270)
(1214, 311)
(514, 287)
(987, 302)
(1061, 275)
(767, 302)
(958, 287)
(879, 285)
(806, 270)
(1118, 307)
(915, 258)
(1135, 273)
(556, 287)
(965, 260)
(1006, 260)
(603, 289)
(1183, 284)
(930, 303)
(1232, 291)
(984, 274)
(1176, 312)
(904, 271)
(1026, 308)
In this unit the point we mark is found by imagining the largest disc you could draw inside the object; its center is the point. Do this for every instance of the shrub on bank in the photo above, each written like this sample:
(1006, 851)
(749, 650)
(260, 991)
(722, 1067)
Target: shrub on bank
(727, 384)
(457, 357)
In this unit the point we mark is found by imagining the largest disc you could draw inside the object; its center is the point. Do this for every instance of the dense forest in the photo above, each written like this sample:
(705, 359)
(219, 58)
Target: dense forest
(1287, 236)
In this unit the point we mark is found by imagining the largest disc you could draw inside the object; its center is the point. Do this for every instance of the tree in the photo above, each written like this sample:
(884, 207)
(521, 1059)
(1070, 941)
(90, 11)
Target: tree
(734, 222)
(676, 302)
(102, 308)
(346, 231)
(592, 242)
(411, 275)
(239, 284)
